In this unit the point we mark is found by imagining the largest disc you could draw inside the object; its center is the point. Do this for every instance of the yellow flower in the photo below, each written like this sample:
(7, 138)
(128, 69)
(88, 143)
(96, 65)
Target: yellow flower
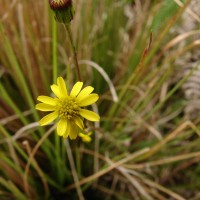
(67, 107)
(85, 137)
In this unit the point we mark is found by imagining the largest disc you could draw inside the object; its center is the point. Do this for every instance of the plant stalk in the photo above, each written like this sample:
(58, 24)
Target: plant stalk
(67, 26)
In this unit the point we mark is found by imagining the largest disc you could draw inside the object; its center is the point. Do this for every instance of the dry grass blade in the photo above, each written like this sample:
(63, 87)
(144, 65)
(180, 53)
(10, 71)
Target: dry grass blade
(136, 184)
(105, 76)
(73, 169)
(171, 136)
(108, 169)
(180, 38)
(38, 169)
(31, 158)
(164, 161)
(189, 11)
(20, 133)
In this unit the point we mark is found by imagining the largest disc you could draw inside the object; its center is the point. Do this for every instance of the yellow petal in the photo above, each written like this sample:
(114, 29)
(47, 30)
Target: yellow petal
(89, 115)
(81, 135)
(73, 133)
(90, 133)
(62, 86)
(88, 100)
(45, 107)
(65, 135)
(47, 100)
(85, 138)
(79, 122)
(56, 91)
(62, 127)
(85, 92)
(76, 89)
(48, 118)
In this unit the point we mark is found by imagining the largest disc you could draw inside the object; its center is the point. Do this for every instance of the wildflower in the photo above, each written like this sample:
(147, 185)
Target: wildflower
(63, 9)
(68, 108)
(85, 137)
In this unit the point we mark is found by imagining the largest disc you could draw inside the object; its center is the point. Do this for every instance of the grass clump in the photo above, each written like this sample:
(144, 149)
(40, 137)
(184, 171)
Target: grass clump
(146, 145)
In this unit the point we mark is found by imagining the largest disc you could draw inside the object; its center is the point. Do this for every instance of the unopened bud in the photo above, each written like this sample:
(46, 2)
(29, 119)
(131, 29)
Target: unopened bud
(63, 9)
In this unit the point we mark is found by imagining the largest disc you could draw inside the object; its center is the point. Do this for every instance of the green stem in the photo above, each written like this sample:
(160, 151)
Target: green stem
(54, 50)
(67, 26)
(55, 75)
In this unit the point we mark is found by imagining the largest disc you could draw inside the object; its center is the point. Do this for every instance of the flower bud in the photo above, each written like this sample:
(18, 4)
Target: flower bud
(63, 10)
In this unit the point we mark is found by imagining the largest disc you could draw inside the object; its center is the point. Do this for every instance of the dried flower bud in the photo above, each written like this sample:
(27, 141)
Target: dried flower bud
(59, 4)
(63, 10)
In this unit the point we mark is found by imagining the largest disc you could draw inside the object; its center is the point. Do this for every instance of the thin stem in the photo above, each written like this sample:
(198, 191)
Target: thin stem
(54, 51)
(55, 75)
(67, 26)
(74, 172)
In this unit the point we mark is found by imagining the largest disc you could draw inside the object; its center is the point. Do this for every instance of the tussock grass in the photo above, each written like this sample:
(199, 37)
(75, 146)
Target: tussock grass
(145, 147)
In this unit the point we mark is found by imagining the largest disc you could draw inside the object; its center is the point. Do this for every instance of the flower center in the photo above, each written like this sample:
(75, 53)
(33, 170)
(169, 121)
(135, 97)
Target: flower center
(68, 108)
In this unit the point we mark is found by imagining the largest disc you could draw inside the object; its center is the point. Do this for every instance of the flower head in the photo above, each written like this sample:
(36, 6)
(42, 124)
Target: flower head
(63, 9)
(60, 4)
(68, 108)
